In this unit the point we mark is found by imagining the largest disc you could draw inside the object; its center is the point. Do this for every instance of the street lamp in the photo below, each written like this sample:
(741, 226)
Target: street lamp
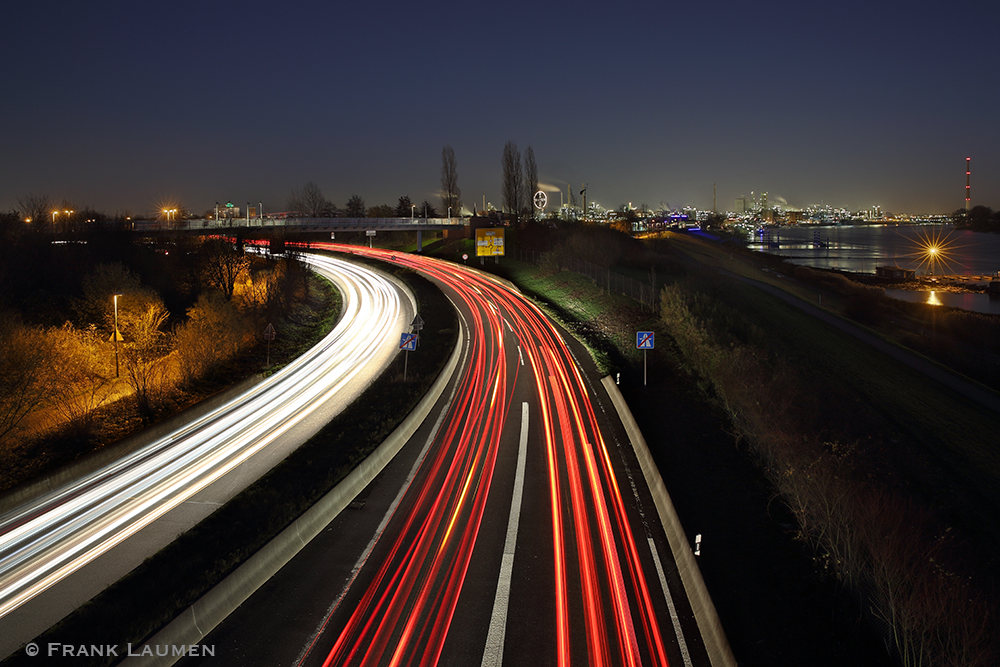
(116, 335)
(449, 214)
(412, 208)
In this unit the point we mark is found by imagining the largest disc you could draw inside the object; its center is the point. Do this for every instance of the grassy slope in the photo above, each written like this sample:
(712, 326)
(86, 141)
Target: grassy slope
(775, 608)
(944, 445)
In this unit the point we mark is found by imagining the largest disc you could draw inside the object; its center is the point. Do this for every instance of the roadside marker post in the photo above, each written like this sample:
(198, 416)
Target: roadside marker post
(644, 341)
(269, 335)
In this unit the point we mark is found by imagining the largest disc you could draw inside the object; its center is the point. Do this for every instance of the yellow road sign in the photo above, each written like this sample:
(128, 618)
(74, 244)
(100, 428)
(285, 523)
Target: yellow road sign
(489, 242)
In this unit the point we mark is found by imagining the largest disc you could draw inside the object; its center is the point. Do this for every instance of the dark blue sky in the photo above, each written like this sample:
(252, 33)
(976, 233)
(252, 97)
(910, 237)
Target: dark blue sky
(128, 105)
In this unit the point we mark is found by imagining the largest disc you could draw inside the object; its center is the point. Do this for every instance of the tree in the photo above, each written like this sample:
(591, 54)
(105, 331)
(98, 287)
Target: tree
(81, 371)
(223, 264)
(143, 358)
(309, 201)
(427, 209)
(530, 180)
(404, 207)
(212, 335)
(381, 211)
(513, 186)
(100, 286)
(355, 207)
(35, 208)
(25, 357)
(450, 193)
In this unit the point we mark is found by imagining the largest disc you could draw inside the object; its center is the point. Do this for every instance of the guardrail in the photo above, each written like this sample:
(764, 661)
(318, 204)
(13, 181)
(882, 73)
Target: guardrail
(299, 223)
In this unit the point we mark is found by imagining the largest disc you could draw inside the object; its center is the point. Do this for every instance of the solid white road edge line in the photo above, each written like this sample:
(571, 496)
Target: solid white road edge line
(670, 604)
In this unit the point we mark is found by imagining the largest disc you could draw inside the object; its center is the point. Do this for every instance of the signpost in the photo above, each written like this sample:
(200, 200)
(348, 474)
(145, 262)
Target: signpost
(269, 334)
(370, 233)
(489, 242)
(644, 341)
(407, 342)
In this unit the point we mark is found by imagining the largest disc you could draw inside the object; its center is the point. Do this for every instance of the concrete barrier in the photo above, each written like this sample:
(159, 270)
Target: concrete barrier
(719, 651)
(193, 624)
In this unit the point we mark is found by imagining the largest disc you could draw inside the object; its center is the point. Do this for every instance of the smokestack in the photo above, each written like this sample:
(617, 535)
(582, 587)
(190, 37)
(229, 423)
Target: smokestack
(968, 188)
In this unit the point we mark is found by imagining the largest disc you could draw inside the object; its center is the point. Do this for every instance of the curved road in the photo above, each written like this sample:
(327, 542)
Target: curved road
(512, 530)
(59, 550)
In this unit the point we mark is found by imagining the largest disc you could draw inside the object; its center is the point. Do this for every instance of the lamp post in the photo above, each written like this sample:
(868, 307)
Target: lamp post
(412, 208)
(116, 335)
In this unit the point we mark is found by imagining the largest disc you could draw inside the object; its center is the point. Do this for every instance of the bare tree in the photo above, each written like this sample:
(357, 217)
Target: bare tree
(212, 335)
(224, 263)
(100, 286)
(36, 208)
(513, 186)
(80, 369)
(530, 179)
(450, 193)
(145, 358)
(309, 201)
(24, 382)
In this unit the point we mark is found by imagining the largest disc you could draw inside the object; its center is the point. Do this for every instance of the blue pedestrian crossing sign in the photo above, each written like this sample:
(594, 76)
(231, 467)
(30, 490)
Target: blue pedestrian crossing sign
(408, 342)
(644, 340)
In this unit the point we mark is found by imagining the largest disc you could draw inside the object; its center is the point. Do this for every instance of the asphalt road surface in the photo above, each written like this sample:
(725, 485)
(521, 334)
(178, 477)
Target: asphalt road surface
(514, 528)
(62, 548)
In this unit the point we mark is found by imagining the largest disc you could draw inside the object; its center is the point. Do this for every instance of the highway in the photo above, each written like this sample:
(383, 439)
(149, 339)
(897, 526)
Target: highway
(60, 549)
(514, 529)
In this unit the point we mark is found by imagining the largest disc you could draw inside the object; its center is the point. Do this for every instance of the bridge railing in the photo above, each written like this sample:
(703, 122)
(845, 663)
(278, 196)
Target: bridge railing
(299, 223)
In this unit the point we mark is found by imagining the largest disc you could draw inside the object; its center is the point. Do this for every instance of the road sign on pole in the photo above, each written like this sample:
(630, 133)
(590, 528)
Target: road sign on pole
(408, 342)
(644, 341)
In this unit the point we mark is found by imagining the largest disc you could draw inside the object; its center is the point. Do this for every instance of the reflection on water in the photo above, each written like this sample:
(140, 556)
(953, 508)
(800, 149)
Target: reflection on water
(863, 247)
(975, 301)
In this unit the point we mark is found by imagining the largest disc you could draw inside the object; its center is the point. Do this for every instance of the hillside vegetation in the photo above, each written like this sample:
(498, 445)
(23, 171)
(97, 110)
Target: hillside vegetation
(888, 483)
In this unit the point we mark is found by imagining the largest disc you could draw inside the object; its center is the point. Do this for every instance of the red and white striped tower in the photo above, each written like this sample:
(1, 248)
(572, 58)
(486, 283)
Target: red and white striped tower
(968, 189)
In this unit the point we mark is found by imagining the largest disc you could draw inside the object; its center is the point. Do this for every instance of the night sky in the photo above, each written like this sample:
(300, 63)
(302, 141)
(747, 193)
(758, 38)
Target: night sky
(134, 105)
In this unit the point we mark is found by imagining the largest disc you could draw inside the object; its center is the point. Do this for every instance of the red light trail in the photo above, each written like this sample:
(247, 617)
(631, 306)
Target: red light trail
(604, 610)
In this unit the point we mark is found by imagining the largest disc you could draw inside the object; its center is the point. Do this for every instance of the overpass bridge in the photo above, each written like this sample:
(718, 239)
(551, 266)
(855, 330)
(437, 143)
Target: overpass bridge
(300, 226)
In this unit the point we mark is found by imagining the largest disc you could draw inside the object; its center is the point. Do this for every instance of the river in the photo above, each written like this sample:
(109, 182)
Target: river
(860, 248)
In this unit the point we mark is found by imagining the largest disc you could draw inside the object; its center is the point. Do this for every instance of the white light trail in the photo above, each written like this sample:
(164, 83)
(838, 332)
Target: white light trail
(51, 537)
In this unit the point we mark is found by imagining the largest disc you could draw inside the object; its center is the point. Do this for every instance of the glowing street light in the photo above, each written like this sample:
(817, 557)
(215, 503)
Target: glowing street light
(412, 208)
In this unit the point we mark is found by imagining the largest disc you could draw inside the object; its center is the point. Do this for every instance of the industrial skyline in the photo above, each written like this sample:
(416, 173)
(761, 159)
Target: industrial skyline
(121, 106)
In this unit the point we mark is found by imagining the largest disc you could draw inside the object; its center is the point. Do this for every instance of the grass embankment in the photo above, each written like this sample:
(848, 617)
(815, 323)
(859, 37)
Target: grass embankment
(886, 481)
(891, 480)
(169, 582)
